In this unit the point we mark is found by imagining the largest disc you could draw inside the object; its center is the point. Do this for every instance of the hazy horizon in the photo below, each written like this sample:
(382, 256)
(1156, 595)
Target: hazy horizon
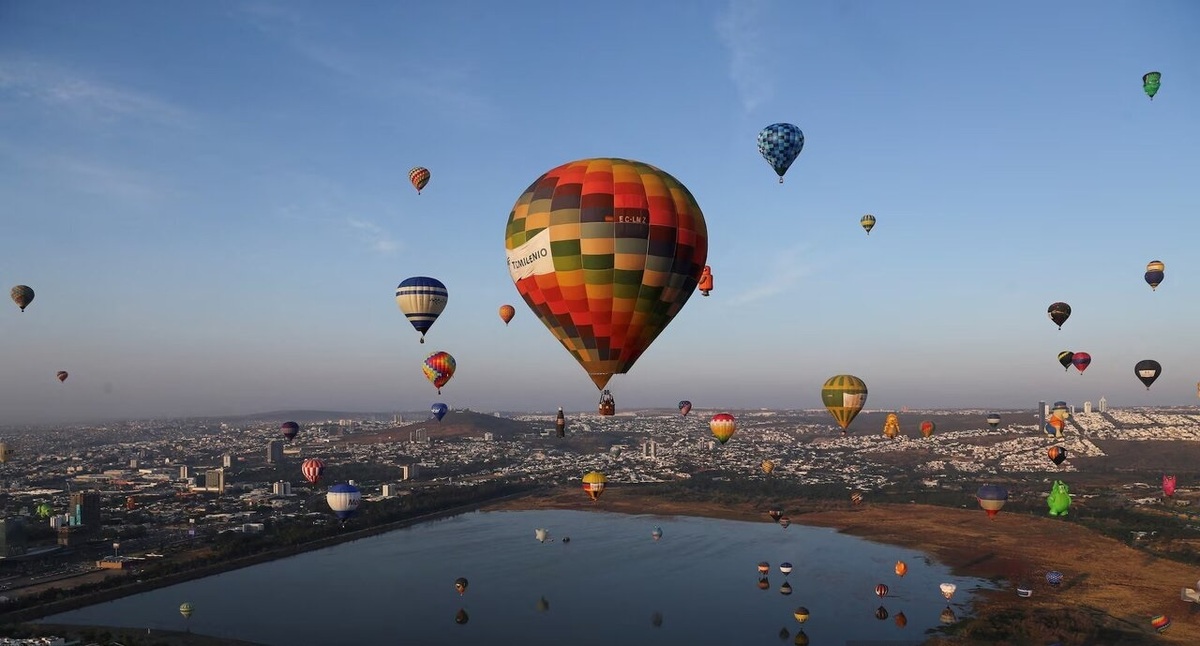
(212, 202)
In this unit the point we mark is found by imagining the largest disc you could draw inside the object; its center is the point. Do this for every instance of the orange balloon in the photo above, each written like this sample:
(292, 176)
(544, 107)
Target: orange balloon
(507, 312)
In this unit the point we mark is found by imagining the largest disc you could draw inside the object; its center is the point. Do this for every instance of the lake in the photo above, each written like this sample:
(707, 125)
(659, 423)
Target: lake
(610, 584)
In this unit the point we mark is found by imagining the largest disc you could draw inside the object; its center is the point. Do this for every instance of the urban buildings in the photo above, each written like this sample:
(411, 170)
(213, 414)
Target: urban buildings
(214, 480)
(274, 451)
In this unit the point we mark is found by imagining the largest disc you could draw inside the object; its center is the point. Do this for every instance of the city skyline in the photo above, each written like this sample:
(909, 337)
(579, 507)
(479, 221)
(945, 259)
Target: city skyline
(212, 201)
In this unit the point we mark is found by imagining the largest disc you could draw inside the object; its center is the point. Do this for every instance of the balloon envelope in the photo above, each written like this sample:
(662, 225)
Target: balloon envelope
(723, 426)
(594, 483)
(419, 176)
(1081, 361)
(780, 144)
(439, 368)
(61, 375)
(1147, 371)
(685, 407)
(606, 252)
(290, 429)
(22, 295)
(312, 469)
(507, 312)
(844, 396)
(1151, 81)
(343, 499)
(1059, 313)
(867, 222)
(422, 299)
(439, 410)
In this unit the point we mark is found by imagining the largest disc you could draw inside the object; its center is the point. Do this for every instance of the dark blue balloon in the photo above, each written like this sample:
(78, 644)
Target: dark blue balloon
(439, 410)
(780, 144)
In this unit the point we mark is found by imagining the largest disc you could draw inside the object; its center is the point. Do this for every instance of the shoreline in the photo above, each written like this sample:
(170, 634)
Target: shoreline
(34, 613)
(1108, 595)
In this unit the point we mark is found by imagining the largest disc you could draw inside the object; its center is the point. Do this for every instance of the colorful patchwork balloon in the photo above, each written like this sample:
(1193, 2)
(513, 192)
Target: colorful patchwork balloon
(419, 176)
(438, 368)
(606, 252)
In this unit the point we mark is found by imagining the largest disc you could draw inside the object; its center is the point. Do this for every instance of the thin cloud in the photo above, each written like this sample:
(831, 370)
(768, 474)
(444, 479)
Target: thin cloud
(378, 239)
(739, 29)
(103, 179)
(64, 89)
(786, 270)
(444, 86)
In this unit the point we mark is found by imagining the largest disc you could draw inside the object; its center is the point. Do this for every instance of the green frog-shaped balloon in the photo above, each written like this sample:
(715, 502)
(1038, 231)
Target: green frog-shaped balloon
(1059, 499)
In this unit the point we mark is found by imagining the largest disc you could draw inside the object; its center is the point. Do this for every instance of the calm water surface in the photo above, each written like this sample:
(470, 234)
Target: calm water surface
(611, 584)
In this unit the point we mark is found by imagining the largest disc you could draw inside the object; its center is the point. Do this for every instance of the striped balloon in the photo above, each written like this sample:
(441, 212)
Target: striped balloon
(723, 426)
(1160, 623)
(419, 176)
(844, 396)
(312, 469)
(868, 222)
(422, 299)
(881, 590)
(438, 368)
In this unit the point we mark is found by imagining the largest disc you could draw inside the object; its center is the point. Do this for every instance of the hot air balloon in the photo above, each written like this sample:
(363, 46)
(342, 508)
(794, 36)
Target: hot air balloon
(856, 498)
(685, 407)
(901, 568)
(1147, 371)
(543, 604)
(1057, 454)
(785, 589)
(607, 405)
(22, 295)
(560, 423)
(62, 375)
(784, 634)
(881, 613)
(764, 583)
(1064, 359)
(290, 429)
(1154, 274)
(768, 466)
(801, 614)
(312, 469)
(438, 410)
(460, 584)
(507, 312)
(461, 617)
(927, 428)
(1168, 486)
(780, 144)
(593, 484)
(992, 498)
(785, 522)
(1059, 313)
(439, 368)
(656, 534)
(948, 590)
(844, 396)
(1054, 426)
(422, 299)
(901, 620)
(868, 222)
(343, 499)
(1160, 622)
(186, 610)
(1061, 410)
(1081, 361)
(44, 511)
(993, 420)
(947, 616)
(541, 534)
(1059, 500)
(706, 281)
(723, 426)
(764, 567)
(419, 176)
(891, 426)
(775, 514)
(1054, 577)
(881, 590)
(606, 252)
(1150, 83)
(785, 568)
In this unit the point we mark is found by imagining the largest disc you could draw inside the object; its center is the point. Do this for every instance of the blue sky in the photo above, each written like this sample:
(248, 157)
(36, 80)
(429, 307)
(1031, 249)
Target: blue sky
(211, 199)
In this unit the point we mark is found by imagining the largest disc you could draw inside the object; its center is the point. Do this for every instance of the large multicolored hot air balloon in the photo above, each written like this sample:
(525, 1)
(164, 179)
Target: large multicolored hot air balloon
(1059, 313)
(992, 498)
(1151, 81)
(312, 469)
(1147, 371)
(1081, 361)
(419, 176)
(606, 252)
(439, 368)
(1160, 623)
(593, 484)
(422, 299)
(844, 396)
(780, 144)
(22, 295)
(1064, 359)
(290, 430)
(507, 312)
(868, 222)
(343, 499)
(61, 375)
(891, 426)
(438, 410)
(706, 281)
(927, 428)
(723, 426)
(685, 407)
(1154, 274)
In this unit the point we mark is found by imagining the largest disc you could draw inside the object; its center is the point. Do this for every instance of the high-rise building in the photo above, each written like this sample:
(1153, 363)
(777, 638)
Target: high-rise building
(397, 419)
(650, 449)
(12, 536)
(275, 451)
(1043, 413)
(185, 472)
(1103, 405)
(227, 461)
(389, 490)
(409, 471)
(1087, 407)
(85, 510)
(5, 452)
(133, 463)
(214, 480)
(282, 488)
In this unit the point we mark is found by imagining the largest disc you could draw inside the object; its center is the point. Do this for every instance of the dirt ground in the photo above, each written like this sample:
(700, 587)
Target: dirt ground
(1108, 595)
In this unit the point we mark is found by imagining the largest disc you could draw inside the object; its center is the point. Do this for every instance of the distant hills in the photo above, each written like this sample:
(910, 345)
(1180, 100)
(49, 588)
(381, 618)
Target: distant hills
(455, 424)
